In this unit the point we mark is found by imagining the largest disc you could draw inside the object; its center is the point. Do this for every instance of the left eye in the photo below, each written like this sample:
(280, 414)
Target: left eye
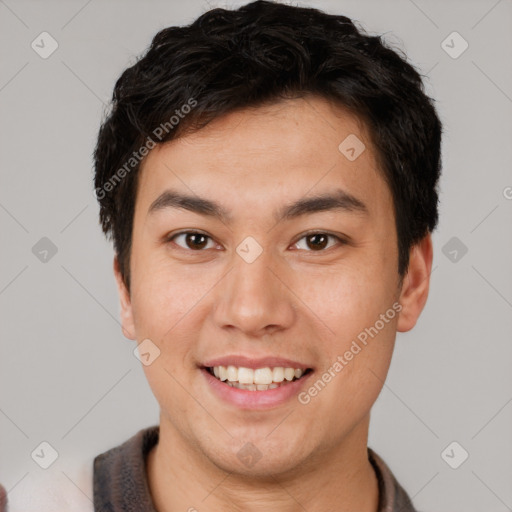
(197, 241)
(319, 240)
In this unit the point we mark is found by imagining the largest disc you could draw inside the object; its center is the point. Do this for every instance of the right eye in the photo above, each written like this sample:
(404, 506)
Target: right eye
(193, 240)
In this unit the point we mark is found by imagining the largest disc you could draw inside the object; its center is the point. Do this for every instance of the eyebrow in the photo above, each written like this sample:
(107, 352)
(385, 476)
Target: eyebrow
(337, 200)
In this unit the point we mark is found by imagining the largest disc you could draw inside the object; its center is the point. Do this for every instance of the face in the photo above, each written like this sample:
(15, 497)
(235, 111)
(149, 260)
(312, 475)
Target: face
(246, 280)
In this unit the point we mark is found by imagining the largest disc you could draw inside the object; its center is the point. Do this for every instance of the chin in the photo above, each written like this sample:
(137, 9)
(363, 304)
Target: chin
(262, 459)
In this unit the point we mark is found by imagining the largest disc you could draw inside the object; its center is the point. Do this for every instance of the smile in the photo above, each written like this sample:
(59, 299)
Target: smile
(258, 379)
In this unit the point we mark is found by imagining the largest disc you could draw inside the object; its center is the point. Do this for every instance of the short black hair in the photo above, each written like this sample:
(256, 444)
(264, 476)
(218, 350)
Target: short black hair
(261, 53)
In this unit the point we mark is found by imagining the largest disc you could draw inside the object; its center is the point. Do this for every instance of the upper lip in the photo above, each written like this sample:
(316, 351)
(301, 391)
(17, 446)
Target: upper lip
(251, 362)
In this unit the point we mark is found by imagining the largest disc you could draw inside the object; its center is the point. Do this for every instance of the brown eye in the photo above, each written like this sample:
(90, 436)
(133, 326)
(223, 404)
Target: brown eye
(192, 240)
(316, 242)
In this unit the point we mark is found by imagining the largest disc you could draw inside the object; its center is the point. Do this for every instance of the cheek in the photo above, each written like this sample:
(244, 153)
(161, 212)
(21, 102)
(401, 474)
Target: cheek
(346, 388)
(165, 307)
(351, 303)
(162, 298)
(346, 300)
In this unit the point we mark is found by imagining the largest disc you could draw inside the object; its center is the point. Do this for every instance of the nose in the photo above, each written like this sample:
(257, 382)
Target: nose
(254, 297)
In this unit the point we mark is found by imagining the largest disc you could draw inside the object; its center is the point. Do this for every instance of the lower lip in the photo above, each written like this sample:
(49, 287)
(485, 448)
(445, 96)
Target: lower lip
(245, 399)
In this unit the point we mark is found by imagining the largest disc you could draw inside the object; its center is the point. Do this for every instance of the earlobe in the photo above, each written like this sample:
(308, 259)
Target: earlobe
(127, 324)
(414, 293)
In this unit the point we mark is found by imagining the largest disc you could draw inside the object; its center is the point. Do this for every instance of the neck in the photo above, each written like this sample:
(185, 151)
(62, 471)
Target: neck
(185, 479)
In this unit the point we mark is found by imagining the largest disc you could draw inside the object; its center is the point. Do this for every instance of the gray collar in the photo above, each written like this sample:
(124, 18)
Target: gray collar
(121, 485)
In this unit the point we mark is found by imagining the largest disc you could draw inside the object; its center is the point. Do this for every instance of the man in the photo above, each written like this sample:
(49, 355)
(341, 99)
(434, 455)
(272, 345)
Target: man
(268, 176)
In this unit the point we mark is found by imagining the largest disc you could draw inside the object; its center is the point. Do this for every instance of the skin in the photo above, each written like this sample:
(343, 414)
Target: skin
(295, 301)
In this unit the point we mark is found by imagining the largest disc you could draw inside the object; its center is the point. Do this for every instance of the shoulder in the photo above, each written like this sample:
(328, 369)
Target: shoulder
(120, 479)
(393, 497)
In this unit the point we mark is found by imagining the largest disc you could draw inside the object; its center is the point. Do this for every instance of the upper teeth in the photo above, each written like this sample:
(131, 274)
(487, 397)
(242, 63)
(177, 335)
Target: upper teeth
(259, 376)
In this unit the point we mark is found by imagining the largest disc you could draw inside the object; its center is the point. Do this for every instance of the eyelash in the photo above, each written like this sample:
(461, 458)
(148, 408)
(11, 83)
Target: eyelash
(340, 240)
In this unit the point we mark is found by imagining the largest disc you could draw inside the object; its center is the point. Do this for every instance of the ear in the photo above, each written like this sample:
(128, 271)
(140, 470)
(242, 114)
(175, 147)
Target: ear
(414, 293)
(127, 324)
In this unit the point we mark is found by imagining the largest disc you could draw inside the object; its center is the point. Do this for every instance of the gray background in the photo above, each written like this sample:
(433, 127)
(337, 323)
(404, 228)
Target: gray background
(67, 374)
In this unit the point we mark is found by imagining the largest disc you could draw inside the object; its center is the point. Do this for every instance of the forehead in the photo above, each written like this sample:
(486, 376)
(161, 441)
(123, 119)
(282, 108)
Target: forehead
(267, 156)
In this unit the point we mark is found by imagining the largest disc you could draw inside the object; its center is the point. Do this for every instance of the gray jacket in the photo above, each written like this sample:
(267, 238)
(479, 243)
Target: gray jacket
(120, 482)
